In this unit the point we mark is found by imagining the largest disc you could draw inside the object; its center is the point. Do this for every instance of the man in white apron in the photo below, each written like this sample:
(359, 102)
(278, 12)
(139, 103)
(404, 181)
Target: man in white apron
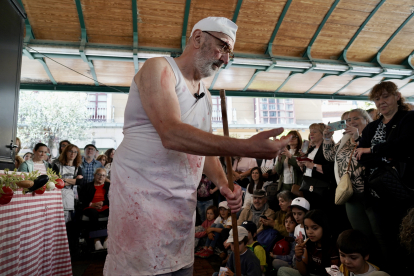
(167, 146)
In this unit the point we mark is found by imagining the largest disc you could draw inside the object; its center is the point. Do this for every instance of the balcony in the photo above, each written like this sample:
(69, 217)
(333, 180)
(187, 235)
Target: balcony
(97, 114)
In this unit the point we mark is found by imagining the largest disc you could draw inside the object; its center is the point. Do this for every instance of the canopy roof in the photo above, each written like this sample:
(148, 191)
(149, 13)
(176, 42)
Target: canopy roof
(328, 49)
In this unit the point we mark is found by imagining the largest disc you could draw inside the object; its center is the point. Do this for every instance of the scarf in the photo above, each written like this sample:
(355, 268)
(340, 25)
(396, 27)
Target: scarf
(258, 213)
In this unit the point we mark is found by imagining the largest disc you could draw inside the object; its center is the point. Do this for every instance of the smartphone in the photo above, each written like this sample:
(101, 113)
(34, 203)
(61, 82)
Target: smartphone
(301, 159)
(263, 217)
(337, 125)
(305, 146)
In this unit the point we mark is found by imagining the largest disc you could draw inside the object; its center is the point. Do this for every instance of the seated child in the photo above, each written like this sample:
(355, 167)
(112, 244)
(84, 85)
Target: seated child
(221, 222)
(300, 206)
(316, 253)
(253, 245)
(354, 253)
(286, 260)
(249, 263)
(200, 231)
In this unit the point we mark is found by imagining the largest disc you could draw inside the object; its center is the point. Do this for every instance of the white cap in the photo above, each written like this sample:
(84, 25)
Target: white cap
(241, 231)
(301, 202)
(224, 205)
(217, 24)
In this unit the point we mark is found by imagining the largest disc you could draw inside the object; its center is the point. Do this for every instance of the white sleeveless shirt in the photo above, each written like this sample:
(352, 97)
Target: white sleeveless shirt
(153, 190)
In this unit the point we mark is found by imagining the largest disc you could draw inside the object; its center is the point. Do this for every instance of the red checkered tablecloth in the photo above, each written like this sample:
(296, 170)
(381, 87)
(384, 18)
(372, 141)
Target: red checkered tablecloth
(33, 238)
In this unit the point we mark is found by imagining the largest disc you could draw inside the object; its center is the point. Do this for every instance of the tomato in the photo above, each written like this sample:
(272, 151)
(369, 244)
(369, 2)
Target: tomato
(59, 183)
(7, 196)
(41, 190)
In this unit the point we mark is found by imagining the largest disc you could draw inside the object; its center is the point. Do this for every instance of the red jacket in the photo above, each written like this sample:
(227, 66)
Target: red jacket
(206, 224)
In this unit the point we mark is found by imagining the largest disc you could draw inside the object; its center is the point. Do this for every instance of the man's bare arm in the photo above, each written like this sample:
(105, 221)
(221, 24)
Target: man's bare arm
(156, 85)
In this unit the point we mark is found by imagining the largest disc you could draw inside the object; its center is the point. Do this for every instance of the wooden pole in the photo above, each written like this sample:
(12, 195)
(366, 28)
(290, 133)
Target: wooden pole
(231, 186)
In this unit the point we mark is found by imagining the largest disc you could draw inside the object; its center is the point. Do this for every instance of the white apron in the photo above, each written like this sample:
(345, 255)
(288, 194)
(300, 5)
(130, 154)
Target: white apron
(153, 191)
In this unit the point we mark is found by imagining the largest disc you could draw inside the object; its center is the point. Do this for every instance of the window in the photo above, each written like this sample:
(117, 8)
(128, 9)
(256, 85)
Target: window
(97, 106)
(276, 111)
(216, 116)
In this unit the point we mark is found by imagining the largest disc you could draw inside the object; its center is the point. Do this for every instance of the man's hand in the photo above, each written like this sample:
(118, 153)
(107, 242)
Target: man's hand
(234, 199)
(263, 147)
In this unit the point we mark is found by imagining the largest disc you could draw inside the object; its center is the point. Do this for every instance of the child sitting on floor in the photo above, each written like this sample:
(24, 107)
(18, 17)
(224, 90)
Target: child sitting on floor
(300, 206)
(317, 253)
(222, 221)
(286, 259)
(211, 214)
(354, 253)
(254, 245)
(249, 263)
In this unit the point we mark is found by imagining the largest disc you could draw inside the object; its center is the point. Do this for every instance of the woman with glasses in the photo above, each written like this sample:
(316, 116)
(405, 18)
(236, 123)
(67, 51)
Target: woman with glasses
(340, 153)
(68, 166)
(94, 197)
(290, 174)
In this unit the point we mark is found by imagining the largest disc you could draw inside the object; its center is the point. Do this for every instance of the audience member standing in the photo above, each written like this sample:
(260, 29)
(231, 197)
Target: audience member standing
(89, 164)
(109, 153)
(38, 162)
(286, 167)
(68, 166)
(340, 153)
(385, 144)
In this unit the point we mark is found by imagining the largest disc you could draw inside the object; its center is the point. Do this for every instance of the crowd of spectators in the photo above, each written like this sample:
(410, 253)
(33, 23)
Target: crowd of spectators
(308, 234)
(289, 223)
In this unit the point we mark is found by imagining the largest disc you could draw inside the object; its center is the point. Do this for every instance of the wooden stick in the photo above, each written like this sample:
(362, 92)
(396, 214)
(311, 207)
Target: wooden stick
(231, 186)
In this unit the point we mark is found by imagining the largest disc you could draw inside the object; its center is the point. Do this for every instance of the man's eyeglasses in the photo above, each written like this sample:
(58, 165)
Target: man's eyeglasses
(226, 47)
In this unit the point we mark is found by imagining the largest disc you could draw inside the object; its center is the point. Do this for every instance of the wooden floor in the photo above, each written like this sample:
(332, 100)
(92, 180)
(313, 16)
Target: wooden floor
(95, 265)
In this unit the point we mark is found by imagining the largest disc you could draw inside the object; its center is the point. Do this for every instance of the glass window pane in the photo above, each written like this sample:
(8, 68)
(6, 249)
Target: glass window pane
(101, 97)
(271, 100)
(288, 101)
(273, 120)
(91, 97)
(272, 107)
(280, 101)
(280, 106)
(264, 113)
(289, 106)
(282, 114)
(291, 121)
(283, 120)
(290, 113)
(273, 114)
(264, 99)
(265, 120)
(264, 106)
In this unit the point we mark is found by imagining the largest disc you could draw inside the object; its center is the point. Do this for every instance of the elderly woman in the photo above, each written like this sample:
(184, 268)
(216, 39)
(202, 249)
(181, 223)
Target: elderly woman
(286, 167)
(340, 153)
(317, 172)
(386, 143)
(94, 197)
(285, 200)
(68, 166)
(37, 163)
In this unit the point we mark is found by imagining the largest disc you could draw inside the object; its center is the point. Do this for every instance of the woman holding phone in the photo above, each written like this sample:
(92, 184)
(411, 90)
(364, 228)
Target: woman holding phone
(340, 153)
(290, 174)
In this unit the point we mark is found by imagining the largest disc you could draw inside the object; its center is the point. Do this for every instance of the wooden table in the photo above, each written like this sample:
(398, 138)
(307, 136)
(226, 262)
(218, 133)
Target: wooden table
(33, 238)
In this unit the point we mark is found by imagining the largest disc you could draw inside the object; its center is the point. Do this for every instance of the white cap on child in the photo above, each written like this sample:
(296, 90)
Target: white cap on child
(241, 231)
(301, 202)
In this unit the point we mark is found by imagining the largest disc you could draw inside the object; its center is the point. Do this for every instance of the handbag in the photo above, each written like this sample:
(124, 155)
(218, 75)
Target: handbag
(314, 185)
(344, 190)
(296, 190)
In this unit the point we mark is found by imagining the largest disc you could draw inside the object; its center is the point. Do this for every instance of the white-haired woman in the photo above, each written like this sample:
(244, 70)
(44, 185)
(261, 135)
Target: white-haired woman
(340, 153)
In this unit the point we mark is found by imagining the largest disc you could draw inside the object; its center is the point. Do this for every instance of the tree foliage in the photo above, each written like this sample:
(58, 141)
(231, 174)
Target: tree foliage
(49, 117)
